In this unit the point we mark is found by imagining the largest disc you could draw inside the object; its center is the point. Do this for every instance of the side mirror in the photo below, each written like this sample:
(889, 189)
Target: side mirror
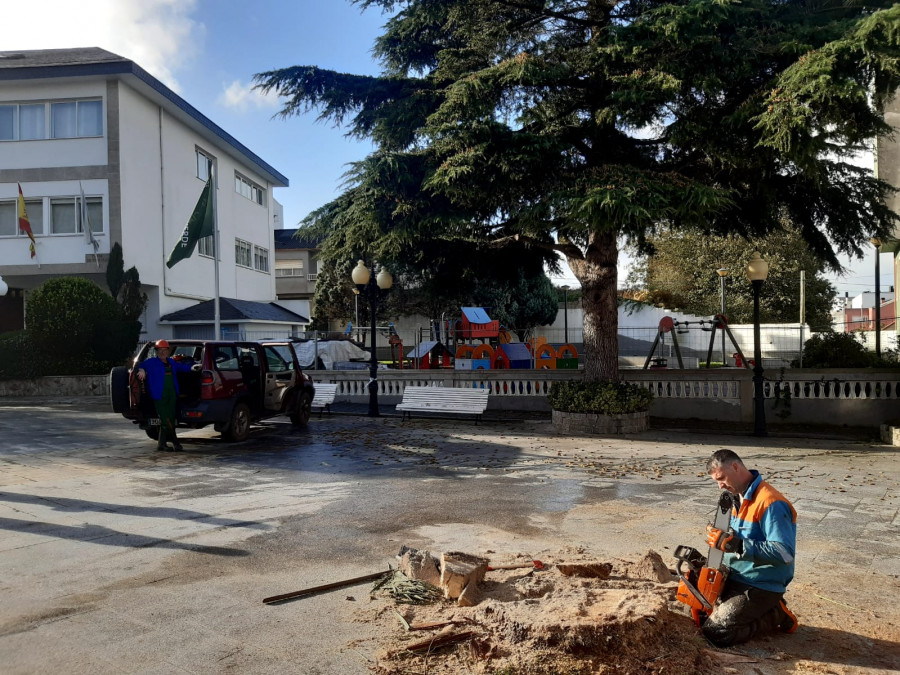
(196, 368)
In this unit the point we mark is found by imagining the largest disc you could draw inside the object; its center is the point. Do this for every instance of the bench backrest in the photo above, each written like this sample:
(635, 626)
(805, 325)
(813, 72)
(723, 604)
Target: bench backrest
(325, 393)
(476, 398)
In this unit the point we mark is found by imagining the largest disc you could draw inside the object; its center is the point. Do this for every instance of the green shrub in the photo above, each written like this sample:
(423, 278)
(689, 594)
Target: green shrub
(835, 350)
(606, 398)
(18, 359)
(77, 328)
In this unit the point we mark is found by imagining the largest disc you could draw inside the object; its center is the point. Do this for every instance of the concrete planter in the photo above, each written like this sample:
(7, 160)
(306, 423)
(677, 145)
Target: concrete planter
(593, 423)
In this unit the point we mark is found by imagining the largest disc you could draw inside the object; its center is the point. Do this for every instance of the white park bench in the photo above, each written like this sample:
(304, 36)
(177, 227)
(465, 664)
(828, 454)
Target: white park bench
(324, 397)
(444, 400)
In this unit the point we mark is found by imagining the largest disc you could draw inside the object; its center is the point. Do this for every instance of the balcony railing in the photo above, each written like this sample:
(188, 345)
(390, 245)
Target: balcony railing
(312, 276)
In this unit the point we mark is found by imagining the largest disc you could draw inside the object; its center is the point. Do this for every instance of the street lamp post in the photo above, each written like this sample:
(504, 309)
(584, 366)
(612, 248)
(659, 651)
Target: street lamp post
(877, 244)
(356, 300)
(374, 288)
(722, 272)
(565, 314)
(757, 271)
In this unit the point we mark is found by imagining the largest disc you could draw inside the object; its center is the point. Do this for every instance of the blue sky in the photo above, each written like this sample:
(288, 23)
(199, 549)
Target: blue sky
(208, 51)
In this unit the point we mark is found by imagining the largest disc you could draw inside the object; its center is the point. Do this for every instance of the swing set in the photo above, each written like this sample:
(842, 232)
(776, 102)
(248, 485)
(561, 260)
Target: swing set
(669, 325)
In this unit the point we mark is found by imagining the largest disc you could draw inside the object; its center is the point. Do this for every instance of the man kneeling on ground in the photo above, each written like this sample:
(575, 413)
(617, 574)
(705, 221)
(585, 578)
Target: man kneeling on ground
(759, 547)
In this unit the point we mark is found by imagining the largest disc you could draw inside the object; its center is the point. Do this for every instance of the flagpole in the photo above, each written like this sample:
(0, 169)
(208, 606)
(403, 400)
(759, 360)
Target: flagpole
(215, 214)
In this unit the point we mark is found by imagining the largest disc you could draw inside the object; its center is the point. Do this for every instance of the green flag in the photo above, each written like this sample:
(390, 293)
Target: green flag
(198, 226)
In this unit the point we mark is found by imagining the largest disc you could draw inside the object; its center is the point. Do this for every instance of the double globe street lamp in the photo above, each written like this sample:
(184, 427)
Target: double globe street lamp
(757, 271)
(374, 289)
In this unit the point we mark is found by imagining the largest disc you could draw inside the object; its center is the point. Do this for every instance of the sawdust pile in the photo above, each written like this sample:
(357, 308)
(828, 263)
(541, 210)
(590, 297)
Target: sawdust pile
(543, 622)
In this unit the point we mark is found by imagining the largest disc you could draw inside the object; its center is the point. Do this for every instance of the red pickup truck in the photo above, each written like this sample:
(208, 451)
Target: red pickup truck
(231, 385)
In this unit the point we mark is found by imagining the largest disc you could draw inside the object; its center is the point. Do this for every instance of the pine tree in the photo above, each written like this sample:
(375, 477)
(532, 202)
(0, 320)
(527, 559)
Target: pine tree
(575, 125)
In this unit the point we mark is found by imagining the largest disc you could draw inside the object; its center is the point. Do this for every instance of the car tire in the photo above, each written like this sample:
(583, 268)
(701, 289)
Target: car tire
(119, 398)
(152, 432)
(302, 411)
(239, 425)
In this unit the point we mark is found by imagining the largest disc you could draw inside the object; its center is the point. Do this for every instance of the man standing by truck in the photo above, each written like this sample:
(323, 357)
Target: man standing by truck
(160, 373)
(759, 547)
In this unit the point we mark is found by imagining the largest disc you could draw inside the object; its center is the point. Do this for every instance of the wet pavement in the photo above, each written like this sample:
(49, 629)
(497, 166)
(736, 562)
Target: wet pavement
(117, 558)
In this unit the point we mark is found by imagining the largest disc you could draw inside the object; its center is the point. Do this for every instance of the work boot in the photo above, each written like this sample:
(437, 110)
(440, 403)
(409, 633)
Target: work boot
(176, 446)
(789, 622)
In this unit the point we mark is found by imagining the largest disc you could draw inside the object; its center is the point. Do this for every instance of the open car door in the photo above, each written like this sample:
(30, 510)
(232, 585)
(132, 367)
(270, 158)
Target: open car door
(280, 374)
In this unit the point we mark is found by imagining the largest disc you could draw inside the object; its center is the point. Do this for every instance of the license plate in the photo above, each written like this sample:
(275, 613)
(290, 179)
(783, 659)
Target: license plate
(153, 422)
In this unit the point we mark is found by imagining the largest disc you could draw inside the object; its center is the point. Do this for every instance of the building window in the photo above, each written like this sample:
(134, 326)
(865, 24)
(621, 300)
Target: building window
(204, 162)
(288, 268)
(207, 246)
(248, 189)
(9, 217)
(8, 122)
(76, 119)
(243, 253)
(68, 119)
(261, 258)
(31, 122)
(62, 216)
(94, 214)
(65, 216)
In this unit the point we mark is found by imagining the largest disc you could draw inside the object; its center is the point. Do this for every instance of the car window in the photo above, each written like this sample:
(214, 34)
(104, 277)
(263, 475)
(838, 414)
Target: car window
(185, 353)
(225, 357)
(248, 358)
(278, 359)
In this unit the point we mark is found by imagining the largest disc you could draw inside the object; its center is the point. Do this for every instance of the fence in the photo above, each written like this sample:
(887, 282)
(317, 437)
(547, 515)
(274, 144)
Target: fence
(780, 344)
(837, 397)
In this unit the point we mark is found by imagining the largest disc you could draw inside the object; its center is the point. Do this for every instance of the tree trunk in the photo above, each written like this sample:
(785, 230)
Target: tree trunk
(598, 274)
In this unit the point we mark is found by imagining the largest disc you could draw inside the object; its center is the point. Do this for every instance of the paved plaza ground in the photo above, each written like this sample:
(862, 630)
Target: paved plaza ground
(115, 558)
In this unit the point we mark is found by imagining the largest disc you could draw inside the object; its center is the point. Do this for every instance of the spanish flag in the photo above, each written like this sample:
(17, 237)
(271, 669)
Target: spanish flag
(24, 225)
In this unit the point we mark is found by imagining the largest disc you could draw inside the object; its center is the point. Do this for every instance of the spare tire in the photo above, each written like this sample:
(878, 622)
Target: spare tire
(118, 389)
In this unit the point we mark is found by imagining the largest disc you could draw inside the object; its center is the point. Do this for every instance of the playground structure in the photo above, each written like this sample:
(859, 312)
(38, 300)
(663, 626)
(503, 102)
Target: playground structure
(480, 344)
(396, 351)
(429, 355)
(668, 325)
(476, 324)
(535, 354)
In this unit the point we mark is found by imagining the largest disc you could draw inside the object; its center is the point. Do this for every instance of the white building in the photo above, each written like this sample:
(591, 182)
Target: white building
(73, 119)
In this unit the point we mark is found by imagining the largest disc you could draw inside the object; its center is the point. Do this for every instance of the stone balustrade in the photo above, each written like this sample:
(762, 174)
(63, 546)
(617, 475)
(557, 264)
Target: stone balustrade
(838, 397)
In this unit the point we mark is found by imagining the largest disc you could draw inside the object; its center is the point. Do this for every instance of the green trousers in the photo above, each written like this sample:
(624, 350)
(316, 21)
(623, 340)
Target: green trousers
(165, 408)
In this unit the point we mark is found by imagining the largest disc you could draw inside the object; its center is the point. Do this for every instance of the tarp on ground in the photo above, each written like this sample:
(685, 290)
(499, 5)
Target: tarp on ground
(330, 351)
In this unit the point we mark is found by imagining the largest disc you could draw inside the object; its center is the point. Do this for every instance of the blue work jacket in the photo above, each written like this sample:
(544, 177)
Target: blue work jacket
(156, 374)
(767, 523)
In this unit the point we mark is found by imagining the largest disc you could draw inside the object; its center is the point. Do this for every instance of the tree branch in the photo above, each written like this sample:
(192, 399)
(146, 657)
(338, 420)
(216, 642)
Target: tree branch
(567, 249)
(562, 16)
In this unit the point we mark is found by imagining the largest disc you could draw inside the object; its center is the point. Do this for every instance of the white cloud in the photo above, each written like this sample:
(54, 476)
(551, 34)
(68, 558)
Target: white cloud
(242, 96)
(157, 34)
